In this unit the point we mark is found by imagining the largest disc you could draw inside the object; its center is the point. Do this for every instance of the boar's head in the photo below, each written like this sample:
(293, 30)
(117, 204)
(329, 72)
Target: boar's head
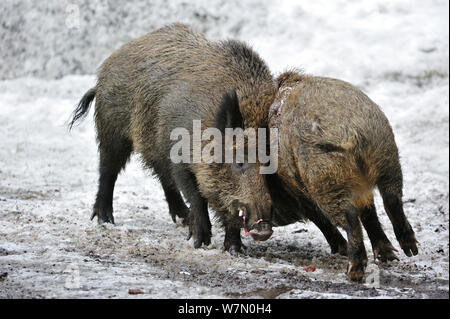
(232, 182)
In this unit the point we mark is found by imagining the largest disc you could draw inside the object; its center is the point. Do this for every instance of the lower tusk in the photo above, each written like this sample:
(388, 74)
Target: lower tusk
(257, 222)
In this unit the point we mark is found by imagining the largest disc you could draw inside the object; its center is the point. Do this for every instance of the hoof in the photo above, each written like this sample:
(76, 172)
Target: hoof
(355, 270)
(384, 251)
(201, 236)
(182, 213)
(409, 245)
(103, 216)
(236, 250)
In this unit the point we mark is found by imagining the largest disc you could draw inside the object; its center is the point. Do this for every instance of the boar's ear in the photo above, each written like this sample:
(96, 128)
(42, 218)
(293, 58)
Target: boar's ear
(229, 114)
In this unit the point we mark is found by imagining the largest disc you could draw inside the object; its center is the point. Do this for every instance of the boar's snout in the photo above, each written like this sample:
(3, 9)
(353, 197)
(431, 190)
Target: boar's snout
(256, 219)
(261, 231)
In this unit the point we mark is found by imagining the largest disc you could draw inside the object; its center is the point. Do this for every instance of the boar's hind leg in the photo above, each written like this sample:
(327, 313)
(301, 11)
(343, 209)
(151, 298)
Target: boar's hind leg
(381, 246)
(357, 258)
(402, 229)
(390, 186)
(113, 157)
(334, 238)
(199, 223)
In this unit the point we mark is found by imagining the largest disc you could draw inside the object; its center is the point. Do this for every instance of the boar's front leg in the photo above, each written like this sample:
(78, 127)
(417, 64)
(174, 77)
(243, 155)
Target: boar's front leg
(177, 206)
(357, 257)
(232, 243)
(381, 246)
(291, 208)
(199, 223)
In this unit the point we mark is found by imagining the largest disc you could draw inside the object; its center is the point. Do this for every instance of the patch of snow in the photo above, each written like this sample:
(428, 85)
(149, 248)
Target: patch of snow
(397, 52)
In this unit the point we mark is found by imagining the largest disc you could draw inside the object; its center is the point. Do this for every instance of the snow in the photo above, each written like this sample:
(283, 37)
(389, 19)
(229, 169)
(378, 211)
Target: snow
(397, 52)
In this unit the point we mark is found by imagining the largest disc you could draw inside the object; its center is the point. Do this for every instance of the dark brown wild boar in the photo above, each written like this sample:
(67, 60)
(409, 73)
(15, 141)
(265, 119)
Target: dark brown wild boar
(164, 81)
(336, 146)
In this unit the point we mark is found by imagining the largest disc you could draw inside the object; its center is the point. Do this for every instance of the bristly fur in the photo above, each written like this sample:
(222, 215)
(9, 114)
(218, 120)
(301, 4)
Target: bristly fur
(229, 115)
(336, 146)
(168, 79)
(289, 77)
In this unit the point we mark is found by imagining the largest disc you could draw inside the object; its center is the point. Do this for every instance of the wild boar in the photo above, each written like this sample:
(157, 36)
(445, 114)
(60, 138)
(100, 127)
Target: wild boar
(335, 147)
(165, 81)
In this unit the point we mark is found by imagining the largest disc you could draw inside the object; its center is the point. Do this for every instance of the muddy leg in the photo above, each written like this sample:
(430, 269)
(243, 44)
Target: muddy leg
(233, 242)
(112, 159)
(199, 223)
(381, 246)
(177, 207)
(402, 229)
(357, 257)
(291, 207)
(334, 238)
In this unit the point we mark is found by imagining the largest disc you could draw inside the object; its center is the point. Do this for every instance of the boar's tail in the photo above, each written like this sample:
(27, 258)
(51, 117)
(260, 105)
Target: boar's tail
(83, 106)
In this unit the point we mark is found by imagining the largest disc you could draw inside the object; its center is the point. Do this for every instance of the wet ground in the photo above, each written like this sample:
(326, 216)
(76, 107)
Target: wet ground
(50, 249)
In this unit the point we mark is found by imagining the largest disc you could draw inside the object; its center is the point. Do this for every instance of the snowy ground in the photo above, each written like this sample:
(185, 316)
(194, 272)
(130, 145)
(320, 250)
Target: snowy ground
(397, 52)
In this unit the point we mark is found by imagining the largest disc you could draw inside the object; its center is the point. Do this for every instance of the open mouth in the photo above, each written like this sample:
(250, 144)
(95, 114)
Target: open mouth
(260, 230)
